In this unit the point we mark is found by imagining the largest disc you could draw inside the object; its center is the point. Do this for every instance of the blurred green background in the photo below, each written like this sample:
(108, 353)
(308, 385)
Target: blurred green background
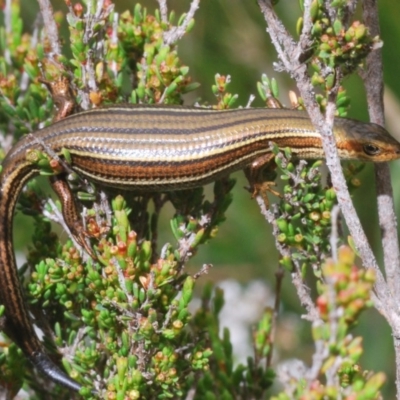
(230, 37)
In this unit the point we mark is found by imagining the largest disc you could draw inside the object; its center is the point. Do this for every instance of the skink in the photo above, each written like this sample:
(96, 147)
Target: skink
(158, 148)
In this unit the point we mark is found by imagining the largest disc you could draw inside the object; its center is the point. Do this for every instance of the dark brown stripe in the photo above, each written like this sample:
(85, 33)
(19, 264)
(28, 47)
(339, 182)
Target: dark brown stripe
(169, 170)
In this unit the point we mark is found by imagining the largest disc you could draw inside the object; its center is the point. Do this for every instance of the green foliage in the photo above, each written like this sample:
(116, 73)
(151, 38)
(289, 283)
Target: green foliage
(337, 44)
(335, 371)
(223, 379)
(304, 213)
(339, 48)
(159, 74)
(267, 88)
(224, 98)
(132, 302)
(28, 105)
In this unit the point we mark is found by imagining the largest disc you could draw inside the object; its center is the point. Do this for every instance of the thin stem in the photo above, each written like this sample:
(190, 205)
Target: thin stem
(373, 81)
(176, 33)
(279, 275)
(51, 27)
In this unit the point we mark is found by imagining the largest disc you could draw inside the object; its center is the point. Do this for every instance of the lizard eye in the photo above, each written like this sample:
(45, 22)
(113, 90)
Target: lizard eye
(371, 149)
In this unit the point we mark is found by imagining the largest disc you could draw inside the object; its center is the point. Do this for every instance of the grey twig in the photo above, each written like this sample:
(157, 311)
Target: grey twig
(163, 10)
(8, 29)
(302, 290)
(51, 27)
(373, 81)
(176, 33)
(334, 232)
(304, 41)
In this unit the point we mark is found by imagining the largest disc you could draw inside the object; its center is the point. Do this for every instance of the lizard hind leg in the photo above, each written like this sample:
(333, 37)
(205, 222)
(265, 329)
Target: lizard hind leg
(70, 213)
(261, 174)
